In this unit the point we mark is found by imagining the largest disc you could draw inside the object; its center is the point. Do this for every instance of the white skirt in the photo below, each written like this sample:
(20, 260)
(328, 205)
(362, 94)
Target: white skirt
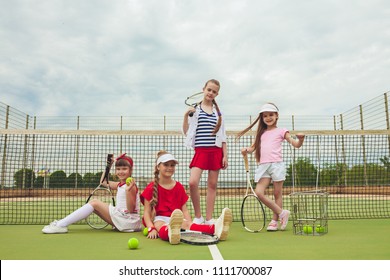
(126, 222)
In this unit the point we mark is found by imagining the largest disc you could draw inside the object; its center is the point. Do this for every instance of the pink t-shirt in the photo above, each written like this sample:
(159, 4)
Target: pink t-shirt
(271, 145)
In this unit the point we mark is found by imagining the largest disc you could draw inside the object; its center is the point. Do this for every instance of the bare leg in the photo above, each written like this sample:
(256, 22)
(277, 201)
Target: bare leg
(195, 175)
(278, 194)
(102, 210)
(261, 186)
(212, 181)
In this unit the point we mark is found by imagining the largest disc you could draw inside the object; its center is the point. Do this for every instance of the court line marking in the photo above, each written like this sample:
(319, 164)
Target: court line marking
(215, 253)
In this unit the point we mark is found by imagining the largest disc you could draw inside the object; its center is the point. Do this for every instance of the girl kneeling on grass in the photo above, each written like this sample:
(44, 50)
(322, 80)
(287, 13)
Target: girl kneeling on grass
(165, 211)
(124, 216)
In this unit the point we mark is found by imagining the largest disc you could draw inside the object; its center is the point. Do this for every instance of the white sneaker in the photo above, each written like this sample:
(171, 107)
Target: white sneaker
(284, 219)
(222, 224)
(53, 228)
(209, 222)
(174, 226)
(198, 221)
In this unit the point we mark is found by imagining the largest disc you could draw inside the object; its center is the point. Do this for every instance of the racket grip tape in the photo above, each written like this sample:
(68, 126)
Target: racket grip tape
(246, 162)
(108, 167)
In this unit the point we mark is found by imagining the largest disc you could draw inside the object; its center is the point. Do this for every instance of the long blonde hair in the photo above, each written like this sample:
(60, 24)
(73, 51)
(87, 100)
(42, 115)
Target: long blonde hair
(262, 127)
(219, 121)
(154, 200)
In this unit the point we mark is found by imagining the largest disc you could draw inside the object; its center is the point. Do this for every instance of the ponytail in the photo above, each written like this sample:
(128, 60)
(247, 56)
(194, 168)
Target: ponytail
(154, 200)
(219, 121)
(260, 130)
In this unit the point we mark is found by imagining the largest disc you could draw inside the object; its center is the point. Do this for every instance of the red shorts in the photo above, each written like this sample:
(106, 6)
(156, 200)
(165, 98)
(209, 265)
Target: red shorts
(207, 158)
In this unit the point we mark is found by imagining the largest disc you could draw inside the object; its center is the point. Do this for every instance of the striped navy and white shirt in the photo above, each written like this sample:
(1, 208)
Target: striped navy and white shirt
(206, 125)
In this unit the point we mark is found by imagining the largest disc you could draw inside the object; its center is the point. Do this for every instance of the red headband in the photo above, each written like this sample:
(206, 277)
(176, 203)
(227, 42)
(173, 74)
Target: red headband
(123, 156)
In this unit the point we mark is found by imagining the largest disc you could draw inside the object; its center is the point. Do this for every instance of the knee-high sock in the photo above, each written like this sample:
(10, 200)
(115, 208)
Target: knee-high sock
(203, 228)
(163, 233)
(81, 213)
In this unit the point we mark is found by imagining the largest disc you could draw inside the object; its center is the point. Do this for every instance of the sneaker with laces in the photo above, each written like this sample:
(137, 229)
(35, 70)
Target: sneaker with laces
(174, 226)
(198, 221)
(272, 226)
(209, 222)
(222, 224)
(54, 228)
(284, 219)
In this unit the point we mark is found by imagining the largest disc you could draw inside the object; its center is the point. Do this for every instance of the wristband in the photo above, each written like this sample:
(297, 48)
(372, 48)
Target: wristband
(151, 229)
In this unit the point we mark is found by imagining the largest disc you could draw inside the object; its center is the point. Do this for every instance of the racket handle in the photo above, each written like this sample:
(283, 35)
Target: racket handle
(246, 162)
(191, 114)
(108, 167)
(109, 159)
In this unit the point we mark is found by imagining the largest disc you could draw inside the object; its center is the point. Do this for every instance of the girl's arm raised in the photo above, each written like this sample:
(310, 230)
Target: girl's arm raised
(185, 120)
(131, 195)
(298, 142)
(111, 184)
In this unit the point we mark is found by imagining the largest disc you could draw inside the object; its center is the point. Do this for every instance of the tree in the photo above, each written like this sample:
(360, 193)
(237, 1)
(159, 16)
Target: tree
(24, 178)
(333, 174)
(58, 179)
(305, 172)
(91, 180)
(74, 180)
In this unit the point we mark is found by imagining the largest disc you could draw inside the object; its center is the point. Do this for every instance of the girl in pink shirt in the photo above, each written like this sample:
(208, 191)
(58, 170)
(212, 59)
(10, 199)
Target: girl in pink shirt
(268, 152)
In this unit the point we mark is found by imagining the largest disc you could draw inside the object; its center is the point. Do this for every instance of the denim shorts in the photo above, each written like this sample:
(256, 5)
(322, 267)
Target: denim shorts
(274, 170)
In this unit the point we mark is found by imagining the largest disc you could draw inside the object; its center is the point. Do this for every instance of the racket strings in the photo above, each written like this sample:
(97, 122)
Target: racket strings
(252, 214)
(105, 196)
(198, 238)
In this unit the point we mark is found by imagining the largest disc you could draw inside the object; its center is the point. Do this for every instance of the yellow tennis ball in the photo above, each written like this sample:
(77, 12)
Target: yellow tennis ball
(320, 229)
(146, 231)
(133, 243)
(129, 180)
(308, 229)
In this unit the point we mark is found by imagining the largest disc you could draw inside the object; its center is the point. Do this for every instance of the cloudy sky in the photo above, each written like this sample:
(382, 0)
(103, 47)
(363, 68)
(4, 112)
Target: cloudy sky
(133, 57)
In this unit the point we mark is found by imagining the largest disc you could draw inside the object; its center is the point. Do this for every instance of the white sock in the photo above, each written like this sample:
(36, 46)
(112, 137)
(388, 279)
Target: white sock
(81, 213)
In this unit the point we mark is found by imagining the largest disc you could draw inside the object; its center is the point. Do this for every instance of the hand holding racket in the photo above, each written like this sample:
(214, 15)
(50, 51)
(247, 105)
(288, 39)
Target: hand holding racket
(252, 210)
(103, 194)
(193, 101)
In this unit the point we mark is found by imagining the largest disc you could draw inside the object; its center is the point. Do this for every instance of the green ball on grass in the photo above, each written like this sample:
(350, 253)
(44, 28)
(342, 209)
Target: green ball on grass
(133, 243)
(146, 231)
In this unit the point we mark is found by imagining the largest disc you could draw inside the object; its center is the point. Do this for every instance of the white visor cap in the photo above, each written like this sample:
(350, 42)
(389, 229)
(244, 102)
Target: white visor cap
(166, 158)
(268, 108)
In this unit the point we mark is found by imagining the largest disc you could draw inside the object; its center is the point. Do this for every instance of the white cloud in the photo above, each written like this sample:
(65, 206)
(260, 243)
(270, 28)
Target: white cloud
(82, 57)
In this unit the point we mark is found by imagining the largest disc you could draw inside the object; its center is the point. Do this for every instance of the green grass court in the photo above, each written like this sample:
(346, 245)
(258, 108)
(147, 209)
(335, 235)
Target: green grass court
(364, 239)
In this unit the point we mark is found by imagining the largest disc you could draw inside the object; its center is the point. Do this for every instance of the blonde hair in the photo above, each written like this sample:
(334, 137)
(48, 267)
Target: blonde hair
(219, 121)
(154, 200)
(262, 127)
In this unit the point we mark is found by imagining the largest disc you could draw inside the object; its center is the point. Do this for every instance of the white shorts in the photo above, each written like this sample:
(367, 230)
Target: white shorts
(164, 219)
(126, 222)
(274, 170)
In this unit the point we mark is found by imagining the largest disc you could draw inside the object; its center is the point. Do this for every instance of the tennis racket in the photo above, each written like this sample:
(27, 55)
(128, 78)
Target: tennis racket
(197, 238)
(194, 100)
(252, 210)
(103, 194)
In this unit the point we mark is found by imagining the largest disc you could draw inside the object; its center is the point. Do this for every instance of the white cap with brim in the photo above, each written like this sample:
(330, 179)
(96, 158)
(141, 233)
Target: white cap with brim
(268, 108)
(166, 158)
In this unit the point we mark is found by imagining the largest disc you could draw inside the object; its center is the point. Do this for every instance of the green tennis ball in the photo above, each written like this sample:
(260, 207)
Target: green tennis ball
(128, 180)
(146, 231)
(308, 229)
(320, 229)
(133, 243)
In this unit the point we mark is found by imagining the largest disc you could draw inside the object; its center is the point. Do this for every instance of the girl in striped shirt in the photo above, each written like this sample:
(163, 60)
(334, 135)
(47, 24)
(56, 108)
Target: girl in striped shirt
(205, 132)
